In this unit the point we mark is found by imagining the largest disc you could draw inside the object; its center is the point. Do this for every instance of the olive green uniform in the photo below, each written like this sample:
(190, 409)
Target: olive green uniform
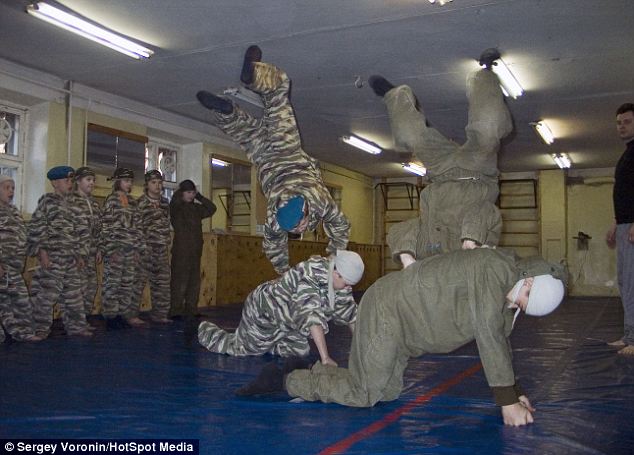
(433, 306)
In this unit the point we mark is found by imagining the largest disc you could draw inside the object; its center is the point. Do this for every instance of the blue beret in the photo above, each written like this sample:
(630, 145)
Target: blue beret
(291, 214)
(60, 172)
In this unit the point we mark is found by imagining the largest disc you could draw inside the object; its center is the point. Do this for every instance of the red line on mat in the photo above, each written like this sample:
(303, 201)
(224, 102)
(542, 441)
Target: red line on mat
(345, 444)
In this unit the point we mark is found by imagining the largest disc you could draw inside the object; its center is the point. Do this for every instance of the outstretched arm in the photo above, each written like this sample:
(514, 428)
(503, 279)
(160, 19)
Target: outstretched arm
(317, 332)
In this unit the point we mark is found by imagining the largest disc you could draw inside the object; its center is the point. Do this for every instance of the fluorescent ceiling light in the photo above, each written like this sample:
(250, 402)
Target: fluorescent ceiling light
(508, 82)
(544, 131)
(362, 144)
(415, 168)
(562, 160)
(220, 163)
(440, 2)
(83, 28)
(245, 95)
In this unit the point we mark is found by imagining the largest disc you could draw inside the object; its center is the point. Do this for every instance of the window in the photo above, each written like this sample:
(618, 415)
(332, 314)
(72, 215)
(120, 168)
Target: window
(108, 149)
(163, 156)
(231, 192)
(12, 122)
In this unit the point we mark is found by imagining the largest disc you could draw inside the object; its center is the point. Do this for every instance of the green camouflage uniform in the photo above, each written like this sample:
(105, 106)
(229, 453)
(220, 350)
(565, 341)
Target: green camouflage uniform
(120, 236)
(273, 145)
(52, 229)
(16, 313)
(277, 315)
(460, 201)
(154, 264)
(433, 306)
(88, 224)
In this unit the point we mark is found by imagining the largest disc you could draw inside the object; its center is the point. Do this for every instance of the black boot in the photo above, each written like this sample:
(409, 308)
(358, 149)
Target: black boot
(252, 55)
(380, 85)
(295, 363)
(121, 322)
(214, 103)
(269, 380)
(488, 57)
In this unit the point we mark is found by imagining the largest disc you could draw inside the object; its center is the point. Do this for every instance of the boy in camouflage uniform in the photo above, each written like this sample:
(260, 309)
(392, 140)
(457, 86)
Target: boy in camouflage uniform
(16, 314)
(458, 207)
(154, 216)
(88, 223)
(52, 237)
(291, 180)
(280, 315)
(120, 245)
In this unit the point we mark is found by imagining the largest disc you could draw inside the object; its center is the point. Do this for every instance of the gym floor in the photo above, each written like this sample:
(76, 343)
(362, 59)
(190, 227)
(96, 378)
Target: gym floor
(148, 383)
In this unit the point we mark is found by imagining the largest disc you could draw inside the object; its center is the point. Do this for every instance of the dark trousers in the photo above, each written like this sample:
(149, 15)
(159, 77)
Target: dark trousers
(184, 284)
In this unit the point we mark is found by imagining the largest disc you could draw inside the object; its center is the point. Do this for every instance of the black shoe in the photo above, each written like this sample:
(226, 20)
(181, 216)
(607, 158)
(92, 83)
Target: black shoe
(295, 363)
(269, 380)
(380, 85)
(112, 324)
(214, 103)
(252, 55)
(488, 57)
(121, 322)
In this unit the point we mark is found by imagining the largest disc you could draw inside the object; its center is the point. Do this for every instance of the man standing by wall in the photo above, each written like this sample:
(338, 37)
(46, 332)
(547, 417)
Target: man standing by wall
(621, 234)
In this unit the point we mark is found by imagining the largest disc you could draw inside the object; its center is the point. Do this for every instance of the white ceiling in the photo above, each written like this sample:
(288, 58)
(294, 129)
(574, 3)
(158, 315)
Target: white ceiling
(575, 59)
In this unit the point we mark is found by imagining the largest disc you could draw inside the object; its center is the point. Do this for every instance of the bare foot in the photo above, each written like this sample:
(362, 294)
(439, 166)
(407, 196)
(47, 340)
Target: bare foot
(33, 338)
(627, 350)
(618, 343)
(162, 320)
(136, 322)
(82, 333)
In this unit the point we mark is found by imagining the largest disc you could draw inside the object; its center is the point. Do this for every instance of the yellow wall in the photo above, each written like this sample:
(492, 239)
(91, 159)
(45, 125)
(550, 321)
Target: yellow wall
(590, 210)
(356, 200)
(552, 215)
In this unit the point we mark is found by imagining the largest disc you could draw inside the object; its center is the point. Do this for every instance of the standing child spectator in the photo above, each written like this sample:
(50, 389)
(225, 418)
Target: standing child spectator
(52, 237)
(16, 314)
(154, 214)
(88, 223)
(187, 210)
(120, 244)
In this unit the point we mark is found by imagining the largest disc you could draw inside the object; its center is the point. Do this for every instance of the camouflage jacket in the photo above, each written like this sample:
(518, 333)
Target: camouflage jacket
(299, 300)
(154, 216)
(87, 222)
(52, 227)
(120, 224)
(12, 238)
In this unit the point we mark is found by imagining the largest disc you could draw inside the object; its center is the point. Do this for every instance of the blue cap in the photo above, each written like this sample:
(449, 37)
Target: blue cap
(291, 214)
(60, 172)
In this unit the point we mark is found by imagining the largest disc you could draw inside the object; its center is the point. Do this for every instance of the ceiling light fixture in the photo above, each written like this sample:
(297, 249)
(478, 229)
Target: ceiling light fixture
(544, 131)
(362, 144)
(245, 95)
(220, 163)
(562, 160)
(415, 168)
(83, 28)
(440, 2)
(509, 84)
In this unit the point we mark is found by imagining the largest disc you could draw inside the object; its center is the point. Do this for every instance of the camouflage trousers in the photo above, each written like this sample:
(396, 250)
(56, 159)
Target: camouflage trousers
(59, 283)
(272, 143)
(117, 297)
(155, 269)
(89, 284)
(16, 313)
(258, 333)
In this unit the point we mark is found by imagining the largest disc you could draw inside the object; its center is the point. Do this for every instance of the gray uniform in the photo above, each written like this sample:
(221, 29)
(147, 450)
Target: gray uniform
(277, 315)
(154, 217)
(53, 230)
(273, 145)
(120, 243)
(433, 306)
(460, 202)
(88, 224)
(16, 314)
